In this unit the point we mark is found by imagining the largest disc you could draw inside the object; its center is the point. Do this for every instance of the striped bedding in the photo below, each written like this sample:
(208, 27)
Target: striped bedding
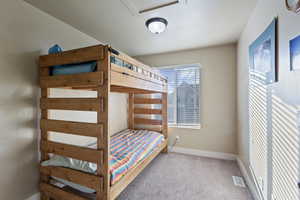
(128, 148)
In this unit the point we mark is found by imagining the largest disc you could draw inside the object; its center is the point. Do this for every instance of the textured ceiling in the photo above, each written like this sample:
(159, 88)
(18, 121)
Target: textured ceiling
(199, 23)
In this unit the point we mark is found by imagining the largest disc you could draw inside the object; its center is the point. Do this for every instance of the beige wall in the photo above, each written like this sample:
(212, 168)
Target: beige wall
(25, 32)
(283, 141)
(218, 132)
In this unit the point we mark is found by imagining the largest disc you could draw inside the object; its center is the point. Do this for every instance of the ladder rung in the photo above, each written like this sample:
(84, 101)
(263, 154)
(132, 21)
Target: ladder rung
(75, 176)
(147, 101)
(147, 121)
(80, 80)
(57, 193)
(77, 152)
(77, 128)
(84, 104)
(86, 54)
(147, 111)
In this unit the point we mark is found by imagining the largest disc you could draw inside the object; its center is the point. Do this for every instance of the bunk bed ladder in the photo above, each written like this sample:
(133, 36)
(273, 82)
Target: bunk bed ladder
(100, 82)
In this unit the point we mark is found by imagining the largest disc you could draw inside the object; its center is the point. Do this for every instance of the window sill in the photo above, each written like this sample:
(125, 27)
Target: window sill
(184, 127)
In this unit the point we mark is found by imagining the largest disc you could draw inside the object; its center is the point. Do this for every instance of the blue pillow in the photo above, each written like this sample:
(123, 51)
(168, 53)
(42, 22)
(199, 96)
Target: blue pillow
(74, 68)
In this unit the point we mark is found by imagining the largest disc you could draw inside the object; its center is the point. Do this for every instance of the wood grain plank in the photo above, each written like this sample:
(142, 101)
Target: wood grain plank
(165, 118)
(147, 111)
(79, 153)
(91, 79)
(147, 121)
(89, 180)
(86, 54)
(124, 80)
(83, 104)
(103, 118)
(138, 75)
(120, 89)
(130, 111)
(56, 193)
(147, 101)
(77, 128)
(45, 92)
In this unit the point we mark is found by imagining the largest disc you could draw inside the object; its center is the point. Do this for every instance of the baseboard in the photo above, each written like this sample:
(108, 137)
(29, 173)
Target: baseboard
(34, 197)
(248, 179)
(209, 154)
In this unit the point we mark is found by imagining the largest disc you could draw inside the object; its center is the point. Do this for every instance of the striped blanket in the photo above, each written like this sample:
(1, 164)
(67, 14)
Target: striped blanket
(130, 147)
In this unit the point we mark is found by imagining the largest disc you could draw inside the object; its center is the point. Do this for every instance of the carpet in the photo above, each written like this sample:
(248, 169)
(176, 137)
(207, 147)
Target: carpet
(182, 177)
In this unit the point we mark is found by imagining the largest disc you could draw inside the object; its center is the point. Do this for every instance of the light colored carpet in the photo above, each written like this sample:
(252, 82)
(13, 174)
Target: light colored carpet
(182, 177)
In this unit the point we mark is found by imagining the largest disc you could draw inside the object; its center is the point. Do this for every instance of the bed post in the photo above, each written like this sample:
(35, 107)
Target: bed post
(45, 92)
(165, 118)
(104, 138)
(131, 111)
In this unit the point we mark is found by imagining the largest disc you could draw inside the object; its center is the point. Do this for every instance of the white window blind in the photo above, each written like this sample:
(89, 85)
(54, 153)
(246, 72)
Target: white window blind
(183, 95)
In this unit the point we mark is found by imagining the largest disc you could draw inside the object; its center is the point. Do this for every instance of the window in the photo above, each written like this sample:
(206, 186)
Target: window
(183, 95)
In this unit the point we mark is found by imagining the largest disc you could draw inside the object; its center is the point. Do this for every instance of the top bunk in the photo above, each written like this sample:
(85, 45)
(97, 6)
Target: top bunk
(92, 67)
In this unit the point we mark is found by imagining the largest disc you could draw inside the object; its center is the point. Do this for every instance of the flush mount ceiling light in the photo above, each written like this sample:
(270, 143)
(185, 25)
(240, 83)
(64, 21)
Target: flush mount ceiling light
(156, 25)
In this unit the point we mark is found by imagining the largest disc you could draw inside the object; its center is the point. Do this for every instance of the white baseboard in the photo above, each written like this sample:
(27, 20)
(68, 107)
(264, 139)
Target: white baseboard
(248, 179)
(209, 154)
(34, 197)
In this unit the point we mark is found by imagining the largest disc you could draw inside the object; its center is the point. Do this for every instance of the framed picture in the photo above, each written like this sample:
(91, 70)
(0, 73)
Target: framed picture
(295, 53)
(263, 56)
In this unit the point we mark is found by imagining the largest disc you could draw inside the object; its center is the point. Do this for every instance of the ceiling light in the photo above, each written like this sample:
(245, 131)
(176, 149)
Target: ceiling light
(156, 25)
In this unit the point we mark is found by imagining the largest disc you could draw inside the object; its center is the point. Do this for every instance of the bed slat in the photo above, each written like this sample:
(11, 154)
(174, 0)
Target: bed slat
(147, 121)
(83, 104)
(77, 128)
(57, 193)
(75, 80)
(147, 101)
(82, 178)
(73, 56)
(80, 153)
(147, 111)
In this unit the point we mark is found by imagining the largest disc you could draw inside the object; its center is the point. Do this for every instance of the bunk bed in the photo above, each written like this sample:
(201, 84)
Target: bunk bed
(102, 69)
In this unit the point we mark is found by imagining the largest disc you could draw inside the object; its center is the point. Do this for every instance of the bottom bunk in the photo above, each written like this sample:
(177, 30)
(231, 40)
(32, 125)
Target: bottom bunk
(131, 152)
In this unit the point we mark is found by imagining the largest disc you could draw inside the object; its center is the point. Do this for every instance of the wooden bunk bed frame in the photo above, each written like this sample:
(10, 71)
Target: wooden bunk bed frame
(108, 77)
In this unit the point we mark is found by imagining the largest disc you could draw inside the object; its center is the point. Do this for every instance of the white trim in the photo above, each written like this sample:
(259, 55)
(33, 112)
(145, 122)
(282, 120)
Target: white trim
(209, 154)
(251, 185)
(34, 197)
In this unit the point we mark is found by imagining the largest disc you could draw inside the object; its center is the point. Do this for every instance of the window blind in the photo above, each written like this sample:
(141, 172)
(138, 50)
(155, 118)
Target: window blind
(183, 95)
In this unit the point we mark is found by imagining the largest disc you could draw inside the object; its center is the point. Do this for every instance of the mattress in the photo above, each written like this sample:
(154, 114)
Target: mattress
(86, 67)
(128, 148)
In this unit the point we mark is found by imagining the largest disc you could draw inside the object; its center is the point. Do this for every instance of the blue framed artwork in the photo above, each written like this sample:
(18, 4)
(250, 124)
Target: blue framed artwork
(295, 53)
(262, 53)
